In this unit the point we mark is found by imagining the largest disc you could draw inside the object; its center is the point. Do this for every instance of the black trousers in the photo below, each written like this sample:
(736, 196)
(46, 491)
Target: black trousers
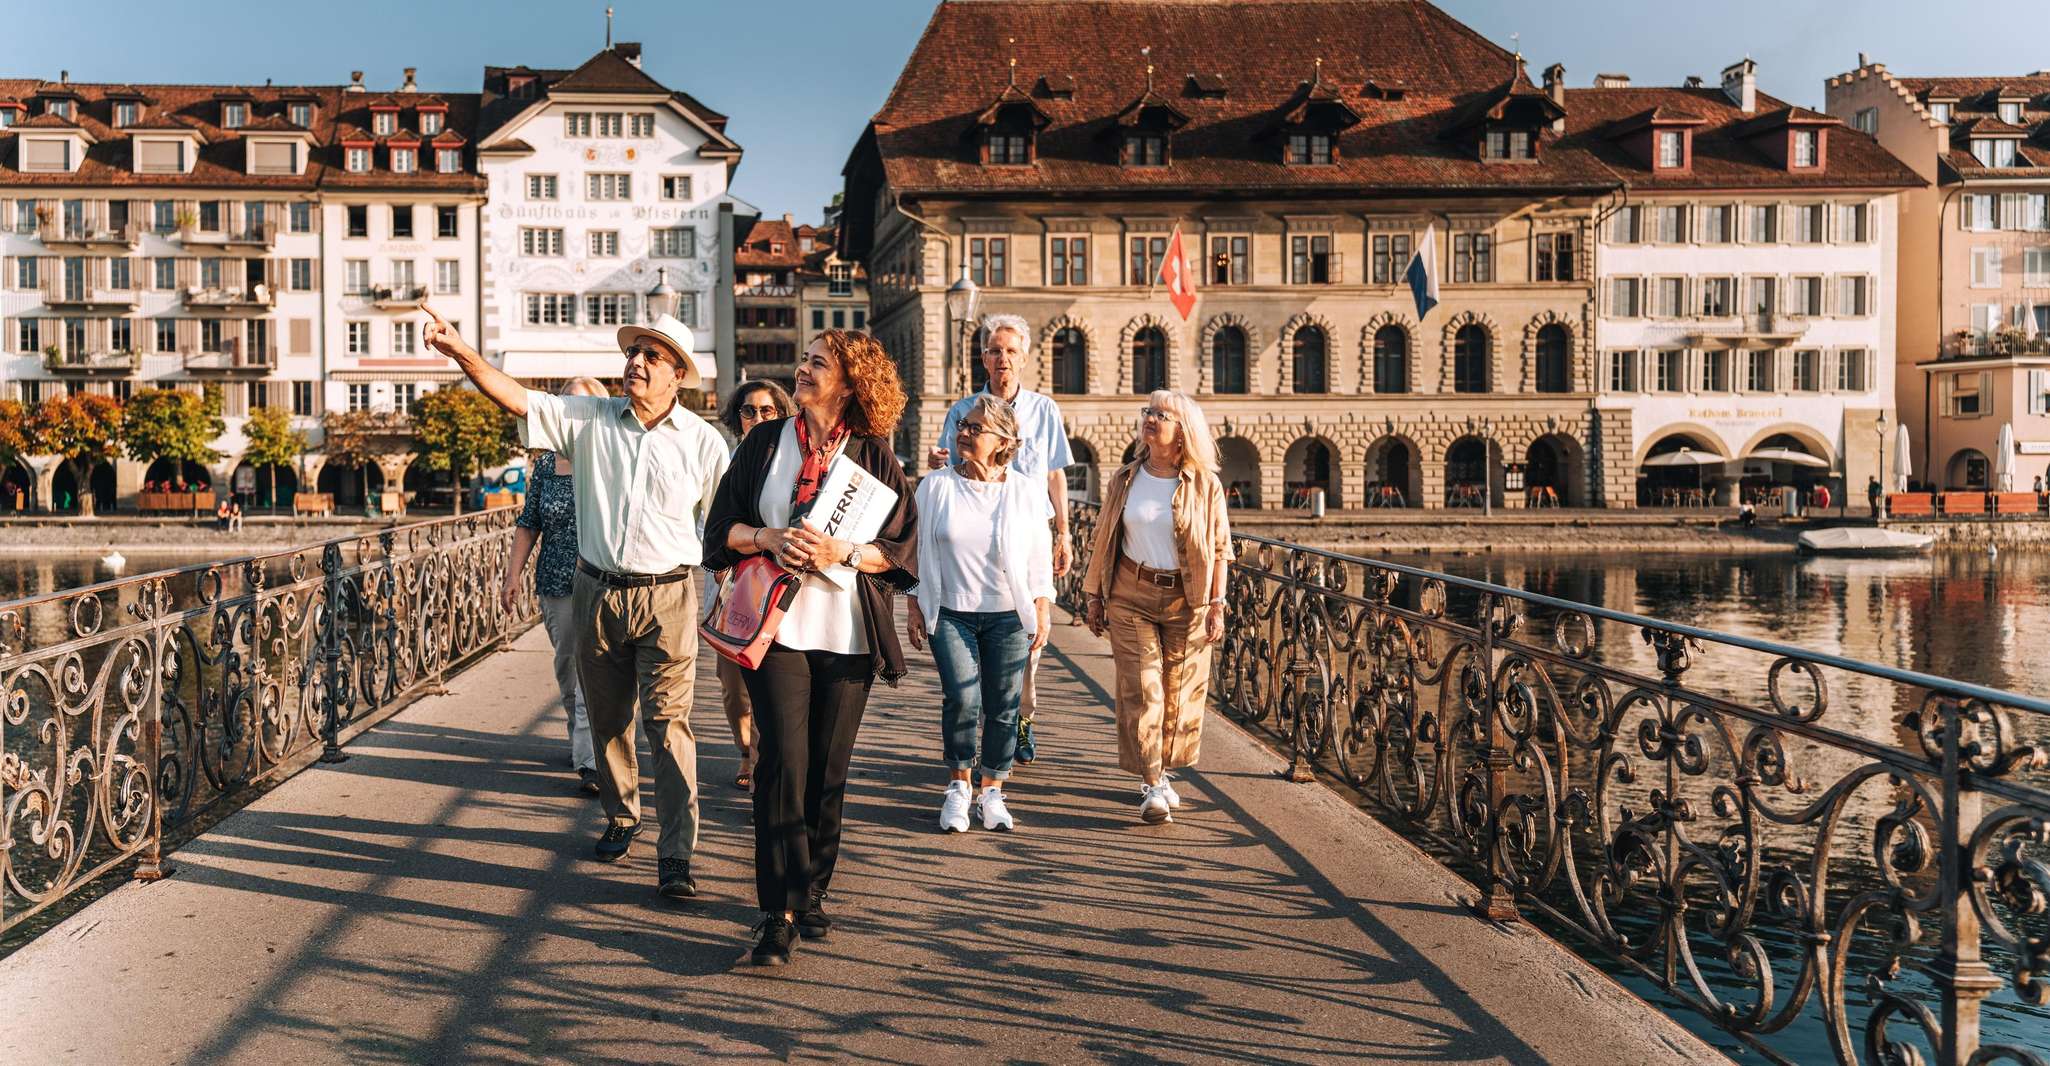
(808, 707)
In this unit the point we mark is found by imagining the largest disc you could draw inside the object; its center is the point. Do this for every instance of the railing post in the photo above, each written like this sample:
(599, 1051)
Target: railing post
(331, 655)
(1962, 977)
(1498, 901)
(151, 866)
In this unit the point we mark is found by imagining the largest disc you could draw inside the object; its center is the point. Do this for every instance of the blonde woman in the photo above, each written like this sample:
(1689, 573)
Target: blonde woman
(1156, 584)
(985, 600)
(550, 518)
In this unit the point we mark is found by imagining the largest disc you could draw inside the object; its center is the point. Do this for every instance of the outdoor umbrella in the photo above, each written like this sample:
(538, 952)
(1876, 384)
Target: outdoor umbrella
(1787, 455)
(1685, 456)
(1903, 460)
(2003, 458)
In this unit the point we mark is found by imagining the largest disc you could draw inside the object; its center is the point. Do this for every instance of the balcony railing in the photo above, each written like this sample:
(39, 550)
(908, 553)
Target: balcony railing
(1810, 850)
(235, 356)
(256, 296)
(88, 233)
(92, 364)
(134, 706)
(1750, 330)
(743, 289)
(263, 235)
(58, 295)
(2005, 344)
(396, 297)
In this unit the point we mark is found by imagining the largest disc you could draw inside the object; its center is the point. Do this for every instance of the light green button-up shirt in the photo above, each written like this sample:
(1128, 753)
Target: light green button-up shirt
(641, 492)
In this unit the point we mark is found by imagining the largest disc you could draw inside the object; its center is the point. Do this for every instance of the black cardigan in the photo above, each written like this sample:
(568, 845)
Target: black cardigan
(738, 499)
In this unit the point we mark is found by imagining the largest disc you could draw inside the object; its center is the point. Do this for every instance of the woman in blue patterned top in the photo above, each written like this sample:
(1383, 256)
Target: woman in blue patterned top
(550, 516)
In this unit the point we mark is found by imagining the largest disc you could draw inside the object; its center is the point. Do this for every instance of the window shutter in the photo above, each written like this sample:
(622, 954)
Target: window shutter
(188, 334)
(302, 336)
(273, 273)
(187, 272)
(1337, 268)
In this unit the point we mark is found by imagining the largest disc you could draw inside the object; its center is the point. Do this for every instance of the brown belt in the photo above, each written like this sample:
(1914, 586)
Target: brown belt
(1166, 579)
(635, 581)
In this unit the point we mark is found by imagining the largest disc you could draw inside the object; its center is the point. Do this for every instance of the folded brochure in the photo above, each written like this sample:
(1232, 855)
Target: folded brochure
(852, 505)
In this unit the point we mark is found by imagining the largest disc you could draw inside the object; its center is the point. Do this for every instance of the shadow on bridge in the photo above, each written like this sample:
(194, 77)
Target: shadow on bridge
(430, 900)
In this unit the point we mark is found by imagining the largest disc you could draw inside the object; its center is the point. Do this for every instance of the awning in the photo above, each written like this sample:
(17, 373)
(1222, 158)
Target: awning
(603, 364)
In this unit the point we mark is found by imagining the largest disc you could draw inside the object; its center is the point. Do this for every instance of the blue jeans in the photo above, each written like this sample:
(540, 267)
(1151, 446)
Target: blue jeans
(982, 657)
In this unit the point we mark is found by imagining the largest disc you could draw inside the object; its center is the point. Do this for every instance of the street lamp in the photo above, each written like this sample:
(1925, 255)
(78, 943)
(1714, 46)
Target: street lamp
(962, 299)
(1880, 467)
(662, 299)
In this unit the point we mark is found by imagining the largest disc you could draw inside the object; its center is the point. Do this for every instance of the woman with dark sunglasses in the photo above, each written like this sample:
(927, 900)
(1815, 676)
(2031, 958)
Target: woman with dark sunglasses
(750, 405)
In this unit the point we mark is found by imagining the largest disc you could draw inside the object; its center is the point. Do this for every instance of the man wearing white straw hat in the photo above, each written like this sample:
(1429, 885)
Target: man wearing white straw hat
(646, 469)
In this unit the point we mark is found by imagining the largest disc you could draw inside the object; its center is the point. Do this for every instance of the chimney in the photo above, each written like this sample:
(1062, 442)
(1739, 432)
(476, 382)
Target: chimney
(1555, 83)
(1612, 81)
(786, 219)
(1693, 82)
(410, 86)
(629, 51)
(63, 77)
(1740, 84)
(1861, 61)
(355, 82)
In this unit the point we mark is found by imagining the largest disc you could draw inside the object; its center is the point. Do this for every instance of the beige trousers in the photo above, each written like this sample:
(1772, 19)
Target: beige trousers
(641, 644)
(558, 615)
(1163, 664)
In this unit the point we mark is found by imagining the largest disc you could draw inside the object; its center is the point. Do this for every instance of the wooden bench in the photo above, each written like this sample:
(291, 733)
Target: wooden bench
(2017, 503)
(1964, 503)
(320, 503)
(496, 500)
(174, 501)
(1910, 505)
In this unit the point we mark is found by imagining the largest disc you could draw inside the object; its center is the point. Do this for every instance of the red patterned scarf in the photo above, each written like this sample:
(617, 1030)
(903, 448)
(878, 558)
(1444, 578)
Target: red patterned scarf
(813, 473)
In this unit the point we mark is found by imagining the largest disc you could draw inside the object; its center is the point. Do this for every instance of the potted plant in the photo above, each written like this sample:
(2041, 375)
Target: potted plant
(186, 219)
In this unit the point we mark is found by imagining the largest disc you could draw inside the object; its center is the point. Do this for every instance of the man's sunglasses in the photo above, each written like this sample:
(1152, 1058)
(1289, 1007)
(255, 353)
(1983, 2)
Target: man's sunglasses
(651, 354)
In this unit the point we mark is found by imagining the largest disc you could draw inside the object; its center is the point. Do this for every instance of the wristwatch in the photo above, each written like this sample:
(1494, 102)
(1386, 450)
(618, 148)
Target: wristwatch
(853, 556)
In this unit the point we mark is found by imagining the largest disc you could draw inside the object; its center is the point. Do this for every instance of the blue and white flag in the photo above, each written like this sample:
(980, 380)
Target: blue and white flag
(1422, 274)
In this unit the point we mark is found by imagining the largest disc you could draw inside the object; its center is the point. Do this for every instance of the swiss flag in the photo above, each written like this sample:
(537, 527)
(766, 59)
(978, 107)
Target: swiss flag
(1174, 273)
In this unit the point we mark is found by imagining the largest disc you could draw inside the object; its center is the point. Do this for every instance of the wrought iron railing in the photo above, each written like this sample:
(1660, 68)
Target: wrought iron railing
(129, 707)
(1822, 856)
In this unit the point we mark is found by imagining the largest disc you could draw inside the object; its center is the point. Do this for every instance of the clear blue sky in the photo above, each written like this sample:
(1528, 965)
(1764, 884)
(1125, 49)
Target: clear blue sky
(801, 77)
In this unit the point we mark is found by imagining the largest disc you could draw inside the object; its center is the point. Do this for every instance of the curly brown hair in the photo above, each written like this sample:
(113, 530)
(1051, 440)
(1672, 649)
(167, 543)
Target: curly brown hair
(878, 394)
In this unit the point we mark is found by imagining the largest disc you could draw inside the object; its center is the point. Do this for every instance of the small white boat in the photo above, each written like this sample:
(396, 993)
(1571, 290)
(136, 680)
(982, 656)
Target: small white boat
(1864, 540)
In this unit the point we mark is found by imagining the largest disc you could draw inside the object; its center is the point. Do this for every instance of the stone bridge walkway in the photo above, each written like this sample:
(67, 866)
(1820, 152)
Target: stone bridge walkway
(430, 900)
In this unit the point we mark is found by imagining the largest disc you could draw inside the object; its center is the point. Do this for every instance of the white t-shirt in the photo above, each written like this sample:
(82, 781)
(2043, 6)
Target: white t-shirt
(1149, 521)
(823, 617)
(964, 533)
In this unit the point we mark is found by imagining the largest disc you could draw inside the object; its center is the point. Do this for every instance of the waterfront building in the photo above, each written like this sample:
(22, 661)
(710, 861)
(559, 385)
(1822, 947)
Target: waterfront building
(608, 205)
(832, 292)
(161, 236)
(765, 298)
(1746, 282)
(1974, 353)
(399, 208)
(1051, 150)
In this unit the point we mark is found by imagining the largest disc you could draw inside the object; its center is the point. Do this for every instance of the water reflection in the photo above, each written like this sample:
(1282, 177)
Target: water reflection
(25, 575)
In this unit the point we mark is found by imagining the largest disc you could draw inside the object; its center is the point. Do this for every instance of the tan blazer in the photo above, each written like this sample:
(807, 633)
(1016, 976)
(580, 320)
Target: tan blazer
(1202, 532)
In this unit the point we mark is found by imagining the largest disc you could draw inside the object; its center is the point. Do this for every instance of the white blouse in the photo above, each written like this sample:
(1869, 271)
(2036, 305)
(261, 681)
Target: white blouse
(983, 546)
(1149, 521)
(824, 616)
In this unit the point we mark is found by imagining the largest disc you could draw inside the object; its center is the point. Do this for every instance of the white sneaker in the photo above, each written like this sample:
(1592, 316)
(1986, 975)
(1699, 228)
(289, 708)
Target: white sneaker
(1174, 799)
(954, 808)
(1153, 805)
(994, 814)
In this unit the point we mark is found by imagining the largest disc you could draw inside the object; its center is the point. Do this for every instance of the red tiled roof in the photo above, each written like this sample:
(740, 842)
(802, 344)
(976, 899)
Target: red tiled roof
(755, 252)
(272, 124)
(49, 121)
(920, 139)
(1725, 155)
(608, 71)
(1976, 111)
(1986, 125)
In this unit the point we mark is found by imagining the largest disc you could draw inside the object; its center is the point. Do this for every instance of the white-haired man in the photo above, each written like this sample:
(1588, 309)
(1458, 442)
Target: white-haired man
(646, 469)
(1042, 453)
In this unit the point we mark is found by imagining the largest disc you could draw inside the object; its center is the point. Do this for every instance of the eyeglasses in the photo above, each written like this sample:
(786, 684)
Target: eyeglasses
(649, 354)
(1155, 414)
(974, 429)
(767, 410)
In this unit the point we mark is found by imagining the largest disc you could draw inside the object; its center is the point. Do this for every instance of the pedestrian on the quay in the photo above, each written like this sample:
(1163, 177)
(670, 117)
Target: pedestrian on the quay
(985, 596)
(1872, 494)
(751, 404)
(1156, 581)
(549, 518)
(1043, 455)
(234, 514)
(645, 469)
(811, 689)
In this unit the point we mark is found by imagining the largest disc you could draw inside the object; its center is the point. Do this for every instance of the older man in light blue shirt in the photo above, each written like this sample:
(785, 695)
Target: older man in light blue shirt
(1043, 452)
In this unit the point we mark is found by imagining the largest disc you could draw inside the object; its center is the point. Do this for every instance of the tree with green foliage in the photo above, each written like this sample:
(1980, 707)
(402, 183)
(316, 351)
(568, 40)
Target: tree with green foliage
(85, 429)
(173, 424)
(358, 439)
(462, 431)
(272, 443)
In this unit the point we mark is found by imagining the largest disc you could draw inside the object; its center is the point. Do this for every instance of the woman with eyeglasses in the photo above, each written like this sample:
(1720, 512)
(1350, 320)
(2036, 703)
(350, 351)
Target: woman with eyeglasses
(985, 598)
(811, 689)
(751, 404)
(1156, 584)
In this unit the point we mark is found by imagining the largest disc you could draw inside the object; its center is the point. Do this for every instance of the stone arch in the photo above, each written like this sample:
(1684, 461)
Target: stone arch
(1312, 461)
(1445, 351)
(1205, 360)
(1531, 331)
(1558, 461)
(1414, 381)
(1968, 469)
(1286, 356)
(1709, 439)
(1238, 461)
(1817, 444)
(1131, 330)
(1044, 351)
(1394, 461)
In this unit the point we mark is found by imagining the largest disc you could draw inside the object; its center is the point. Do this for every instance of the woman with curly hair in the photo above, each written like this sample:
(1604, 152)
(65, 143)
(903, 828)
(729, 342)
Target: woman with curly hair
(812, 687)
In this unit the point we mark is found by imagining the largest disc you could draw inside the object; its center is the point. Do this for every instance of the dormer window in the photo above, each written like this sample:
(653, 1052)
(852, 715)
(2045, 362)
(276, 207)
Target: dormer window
(1009, 149)
(59, 108)
(1503, 144)
(431, 122)
(1145, 150)
(126, 113)
(520, 86)
(384, 123)
(1940, 112)
(1994, 151)
(357, 161)
(448, 160)
(1807, 148)
(234, 116)
(300, 115)
(1009, 129)
(8, 117)
(775, 247)
(1309, 149)
(404, 160)
(2011, 112)
(1672, 149)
